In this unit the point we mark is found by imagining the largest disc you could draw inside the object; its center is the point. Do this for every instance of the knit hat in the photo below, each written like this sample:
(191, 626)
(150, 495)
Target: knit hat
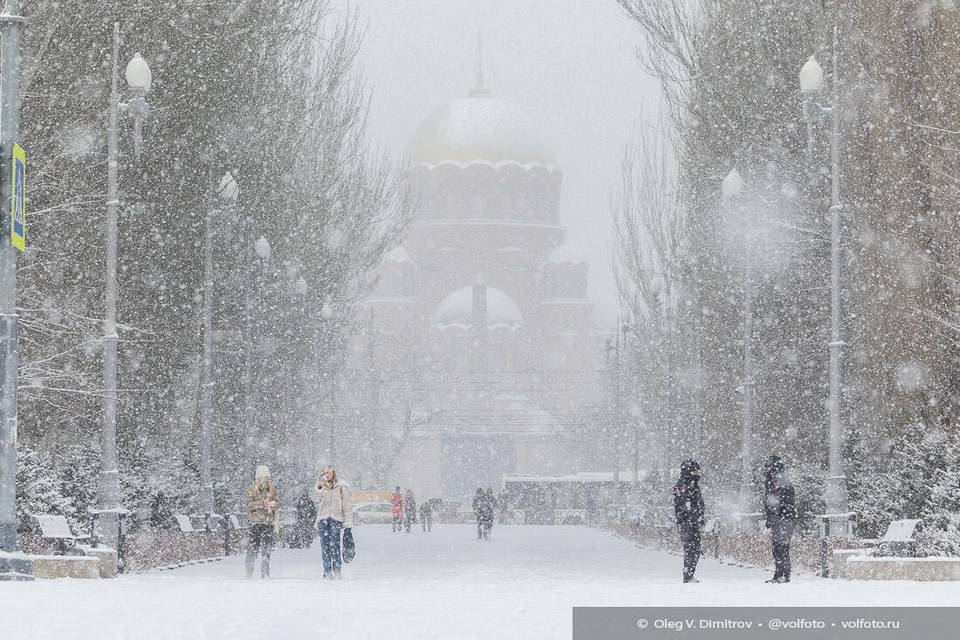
(262, 472)
(775, 465)
(688, 467)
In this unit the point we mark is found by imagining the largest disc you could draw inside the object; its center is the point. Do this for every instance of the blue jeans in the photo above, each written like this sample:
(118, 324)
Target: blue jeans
(330, 544)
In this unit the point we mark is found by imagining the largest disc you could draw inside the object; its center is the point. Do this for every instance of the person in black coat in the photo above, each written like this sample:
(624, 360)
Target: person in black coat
(305, 527)
(688, 505)
(780, 507)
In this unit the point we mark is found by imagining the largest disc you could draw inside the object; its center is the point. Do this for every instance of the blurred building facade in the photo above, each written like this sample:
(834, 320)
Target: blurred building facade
(476, 354)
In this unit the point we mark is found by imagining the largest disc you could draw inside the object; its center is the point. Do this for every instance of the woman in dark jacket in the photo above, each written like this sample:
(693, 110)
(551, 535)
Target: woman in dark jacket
(304, 529)
(780, 507)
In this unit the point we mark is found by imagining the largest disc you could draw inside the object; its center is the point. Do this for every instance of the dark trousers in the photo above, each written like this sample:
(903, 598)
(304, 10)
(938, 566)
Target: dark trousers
(330, 545)
(690, 538)
(259, 540)
(484, 527)
(780, 534)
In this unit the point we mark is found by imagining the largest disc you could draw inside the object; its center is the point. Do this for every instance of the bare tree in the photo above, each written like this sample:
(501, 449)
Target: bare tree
(651, 234)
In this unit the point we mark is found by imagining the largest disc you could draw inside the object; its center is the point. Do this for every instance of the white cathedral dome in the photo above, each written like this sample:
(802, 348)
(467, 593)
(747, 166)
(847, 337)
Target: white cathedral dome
(457, 310)
(479, 127)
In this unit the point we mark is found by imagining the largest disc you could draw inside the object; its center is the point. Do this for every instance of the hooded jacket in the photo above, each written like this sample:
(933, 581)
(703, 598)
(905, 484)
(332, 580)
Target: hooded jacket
(780, 503)
(261, 502)
(687, 499)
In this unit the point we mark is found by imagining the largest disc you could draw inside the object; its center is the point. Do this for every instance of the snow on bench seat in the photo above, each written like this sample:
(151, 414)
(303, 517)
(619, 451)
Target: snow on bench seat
(900, 531)
(184, 523)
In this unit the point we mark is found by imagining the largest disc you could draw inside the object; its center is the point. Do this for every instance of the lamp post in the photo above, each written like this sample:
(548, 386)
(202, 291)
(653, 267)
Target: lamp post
(811, 81)
(227, 193)
(13, 566)
(731, 188)
(291, 431)
(329, 372)
(263, 252)
(139, 78)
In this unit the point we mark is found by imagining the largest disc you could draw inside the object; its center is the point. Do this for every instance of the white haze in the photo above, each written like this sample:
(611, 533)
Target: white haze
(571, 62)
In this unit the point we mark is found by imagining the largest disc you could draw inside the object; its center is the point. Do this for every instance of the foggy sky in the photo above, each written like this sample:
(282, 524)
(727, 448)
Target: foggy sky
(571, 63)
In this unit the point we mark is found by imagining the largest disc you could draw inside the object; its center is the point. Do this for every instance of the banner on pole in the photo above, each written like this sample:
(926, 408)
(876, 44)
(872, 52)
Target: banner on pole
(18, 197)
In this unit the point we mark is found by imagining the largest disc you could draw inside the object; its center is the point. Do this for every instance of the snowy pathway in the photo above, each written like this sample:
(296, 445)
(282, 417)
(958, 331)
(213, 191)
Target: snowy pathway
(444, 584)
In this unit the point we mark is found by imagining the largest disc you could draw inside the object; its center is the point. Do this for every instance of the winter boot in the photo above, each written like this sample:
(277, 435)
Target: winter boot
(265, 567)
(249, 565)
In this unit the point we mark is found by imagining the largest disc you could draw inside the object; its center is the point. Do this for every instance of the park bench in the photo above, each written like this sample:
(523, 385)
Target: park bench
(57, 529)
(899, 539)
(184, 523)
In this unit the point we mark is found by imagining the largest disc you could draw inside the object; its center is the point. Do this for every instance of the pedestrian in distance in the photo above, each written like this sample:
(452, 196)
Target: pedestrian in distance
(490, 512)
(304, 530)
(426, 515)
(334, 514)
(396, 505)
(478, 500)
(689, 508)
(409, 510)
(262, 504)
(483, 510)
(780, 507)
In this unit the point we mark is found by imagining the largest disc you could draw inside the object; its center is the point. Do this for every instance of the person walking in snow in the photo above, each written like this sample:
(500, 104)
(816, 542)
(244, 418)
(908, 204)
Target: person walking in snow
(478, 500)
(426, 515)
(689, 508)
(491, 511)
(484, 512)
(780, 507)
(334, 513)
(409, 510)
(396, 504)
(262, 504)
(303, 530)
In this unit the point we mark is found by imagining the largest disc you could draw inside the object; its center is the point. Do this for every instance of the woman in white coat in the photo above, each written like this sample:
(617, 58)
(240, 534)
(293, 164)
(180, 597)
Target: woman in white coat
(334, 513)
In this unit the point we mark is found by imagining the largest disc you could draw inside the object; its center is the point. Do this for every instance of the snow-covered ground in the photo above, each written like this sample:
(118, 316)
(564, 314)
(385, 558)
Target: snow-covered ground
(445, 584)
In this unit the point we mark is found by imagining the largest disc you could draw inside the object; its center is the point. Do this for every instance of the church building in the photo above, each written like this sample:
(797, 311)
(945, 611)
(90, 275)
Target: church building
(478, 336)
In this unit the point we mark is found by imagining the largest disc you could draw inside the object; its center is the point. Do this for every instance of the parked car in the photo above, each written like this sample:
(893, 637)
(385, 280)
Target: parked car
(373, 513)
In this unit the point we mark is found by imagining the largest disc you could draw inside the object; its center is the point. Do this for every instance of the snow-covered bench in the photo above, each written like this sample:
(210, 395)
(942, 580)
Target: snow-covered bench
(184, 523)
(899, 539)
(57, 529)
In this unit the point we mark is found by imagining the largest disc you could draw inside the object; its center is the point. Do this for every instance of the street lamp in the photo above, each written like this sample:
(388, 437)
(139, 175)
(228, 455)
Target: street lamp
(635, 415)
(811, 81)
(300, 287)
(227, 193)
(731, 188)
(263, 252)
(13, 565)
(139, 78)
(328, 374)
(138, 75)
(292, 430)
